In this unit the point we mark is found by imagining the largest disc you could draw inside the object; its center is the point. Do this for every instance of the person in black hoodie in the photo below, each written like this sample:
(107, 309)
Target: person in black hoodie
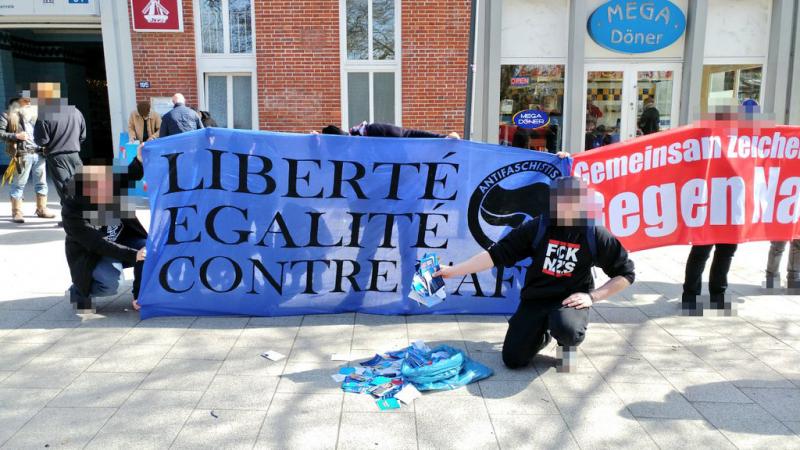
(101, 238)
(559, 288)
(386, 130)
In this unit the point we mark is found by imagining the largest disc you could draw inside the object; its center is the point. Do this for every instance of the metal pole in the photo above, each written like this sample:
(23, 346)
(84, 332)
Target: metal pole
(470, 70)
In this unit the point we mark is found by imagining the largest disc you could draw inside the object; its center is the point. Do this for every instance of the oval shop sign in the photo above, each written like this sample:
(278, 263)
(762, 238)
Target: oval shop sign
(629, 26)
(531, 118)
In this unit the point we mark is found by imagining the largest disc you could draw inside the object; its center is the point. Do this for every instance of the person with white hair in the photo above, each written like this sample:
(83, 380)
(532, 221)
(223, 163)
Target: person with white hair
(179, 119)
(16, 129)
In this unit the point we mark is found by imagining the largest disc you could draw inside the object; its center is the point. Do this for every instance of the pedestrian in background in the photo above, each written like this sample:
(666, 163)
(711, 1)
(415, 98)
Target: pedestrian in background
(179, 119)
(16, 129)
(143, 124)
(776, 250)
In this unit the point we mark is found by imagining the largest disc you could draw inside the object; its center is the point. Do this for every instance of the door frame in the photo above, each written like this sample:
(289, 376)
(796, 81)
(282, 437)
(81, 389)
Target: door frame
(629, 98)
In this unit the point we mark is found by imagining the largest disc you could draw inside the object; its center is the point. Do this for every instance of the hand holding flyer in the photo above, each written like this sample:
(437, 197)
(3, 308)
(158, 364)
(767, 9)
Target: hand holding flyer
(427, 289)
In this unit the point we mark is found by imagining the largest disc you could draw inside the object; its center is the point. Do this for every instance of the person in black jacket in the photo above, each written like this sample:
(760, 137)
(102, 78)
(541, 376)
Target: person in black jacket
(559, 288)
(386, 130)
(101, 238)
(60, 130)
(179, 119)
(650, 118)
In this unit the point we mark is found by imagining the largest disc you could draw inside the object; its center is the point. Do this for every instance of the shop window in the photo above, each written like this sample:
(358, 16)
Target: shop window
(230, 100)
(537, 87)
(226, 26)
(729, 85)
(370, 63)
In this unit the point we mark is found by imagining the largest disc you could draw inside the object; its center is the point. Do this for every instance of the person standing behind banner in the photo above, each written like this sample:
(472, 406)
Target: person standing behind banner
(792, 267)
(60, 129)
(650, 118)
(717, 279)
(179, 119)
(143, 124)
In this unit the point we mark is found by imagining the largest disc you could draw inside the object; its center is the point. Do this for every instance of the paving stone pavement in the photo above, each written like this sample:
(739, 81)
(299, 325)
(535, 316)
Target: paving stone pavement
(647, 377)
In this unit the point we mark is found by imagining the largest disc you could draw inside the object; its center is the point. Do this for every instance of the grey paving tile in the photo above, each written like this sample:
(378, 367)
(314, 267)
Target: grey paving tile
(453, 422)
(533, 432)
(794, 426)
(17, 406)
(575, 384)
(247, 361)
(220, 323)
(202, 346)
(267, 337)
(5, 374)
(748, 425)
(377, 430)
(365, 403)
(86, 343)
(238, 392)
(310, 378)
(224, 429)
(655, 401)
(504, 397)
(39, 333)
(98, 390)
(626, 369)
(130, 358)
(13, 356)
(272, 322)
(494, 360)
(673, 358)
(316, 351)
(602, 422)
(781, 403)
(30, 304)
(141, 428)
(751, 373)
(48, 372)
(182, 374)
(685, 434)
(13, 318)
(152, 336)
(60, 427)
(301, 421)
(433, 328)
(706, 387)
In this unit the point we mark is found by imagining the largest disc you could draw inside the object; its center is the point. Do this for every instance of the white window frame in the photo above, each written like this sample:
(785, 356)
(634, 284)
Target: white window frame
(226, 30)
(371, 66)
(225, 63)
(755, 61)
(229, 85)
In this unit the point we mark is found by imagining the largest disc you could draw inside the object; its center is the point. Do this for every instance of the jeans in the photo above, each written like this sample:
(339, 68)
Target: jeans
(776, 253)
(717, 279)
(527, 328)
(107, 275)
(35, 164)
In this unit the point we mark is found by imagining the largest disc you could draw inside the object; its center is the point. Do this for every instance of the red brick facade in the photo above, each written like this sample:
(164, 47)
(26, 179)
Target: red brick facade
(166, 60)
(298, 63)
(297, 54)
(435, 50)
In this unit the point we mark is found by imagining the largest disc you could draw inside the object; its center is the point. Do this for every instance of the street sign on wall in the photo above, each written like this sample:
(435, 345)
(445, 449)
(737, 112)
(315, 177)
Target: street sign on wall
(157, 15)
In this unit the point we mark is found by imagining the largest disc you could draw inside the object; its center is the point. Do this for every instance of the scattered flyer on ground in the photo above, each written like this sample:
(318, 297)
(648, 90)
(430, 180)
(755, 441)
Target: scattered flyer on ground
(272, 355)
(427, 289)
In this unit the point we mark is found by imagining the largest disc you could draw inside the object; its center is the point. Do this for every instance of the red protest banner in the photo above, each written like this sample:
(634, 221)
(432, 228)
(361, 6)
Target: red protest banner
(713, 182)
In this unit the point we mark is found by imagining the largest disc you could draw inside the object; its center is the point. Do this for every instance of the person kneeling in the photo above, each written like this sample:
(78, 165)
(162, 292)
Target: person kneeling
(559, 288)
(102, 239)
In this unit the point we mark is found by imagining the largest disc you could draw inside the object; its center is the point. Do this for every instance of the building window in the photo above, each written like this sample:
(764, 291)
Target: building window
(370, 68)
(532, 87)
(229, 98)
(226, 26)
(729, 85)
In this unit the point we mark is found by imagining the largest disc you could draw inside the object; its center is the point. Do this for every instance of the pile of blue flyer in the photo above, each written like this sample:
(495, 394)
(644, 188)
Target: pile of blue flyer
(426, 289)
(399, 376)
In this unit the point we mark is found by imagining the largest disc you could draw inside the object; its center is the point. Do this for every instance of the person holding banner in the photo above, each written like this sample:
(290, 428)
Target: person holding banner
(717, 279)
(559, 287)
(102, 238)
(385, 130)
(776, 250)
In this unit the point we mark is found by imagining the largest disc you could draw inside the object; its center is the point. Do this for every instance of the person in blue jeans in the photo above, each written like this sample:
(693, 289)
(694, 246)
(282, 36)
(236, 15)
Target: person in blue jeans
(16, 129)
(102, 238)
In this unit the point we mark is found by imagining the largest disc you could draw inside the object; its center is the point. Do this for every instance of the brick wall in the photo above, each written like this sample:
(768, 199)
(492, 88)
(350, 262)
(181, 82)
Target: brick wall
(297, 53)
(435, 35)
(166, 60)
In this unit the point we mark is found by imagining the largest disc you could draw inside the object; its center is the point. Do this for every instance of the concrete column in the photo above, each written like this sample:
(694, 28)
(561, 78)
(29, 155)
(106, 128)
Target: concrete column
(693, 55)
(118, 54)
(574, 95)
(486, 102)
(794, 86)
(776, 77)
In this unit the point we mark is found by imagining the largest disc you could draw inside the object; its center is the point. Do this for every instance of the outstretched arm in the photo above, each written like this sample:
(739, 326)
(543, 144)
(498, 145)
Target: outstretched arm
(478, 263)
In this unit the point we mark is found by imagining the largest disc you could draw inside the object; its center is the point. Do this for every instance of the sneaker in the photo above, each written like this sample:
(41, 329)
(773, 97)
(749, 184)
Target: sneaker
(545, 342)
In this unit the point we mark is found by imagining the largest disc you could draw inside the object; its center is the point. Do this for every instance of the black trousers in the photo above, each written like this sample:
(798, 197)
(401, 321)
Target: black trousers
(717, 279)
(528, 326)
(62, 167)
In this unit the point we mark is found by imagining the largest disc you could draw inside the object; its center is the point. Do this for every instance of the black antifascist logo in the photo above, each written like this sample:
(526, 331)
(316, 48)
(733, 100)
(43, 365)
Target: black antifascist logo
(507, 197)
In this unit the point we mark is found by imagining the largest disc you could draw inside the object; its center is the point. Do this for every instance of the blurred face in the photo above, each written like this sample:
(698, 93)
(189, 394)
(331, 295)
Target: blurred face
(572, 203)
(98, 184)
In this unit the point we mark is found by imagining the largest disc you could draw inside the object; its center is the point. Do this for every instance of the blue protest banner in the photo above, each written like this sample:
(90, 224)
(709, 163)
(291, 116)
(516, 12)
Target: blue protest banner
(268, 224)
